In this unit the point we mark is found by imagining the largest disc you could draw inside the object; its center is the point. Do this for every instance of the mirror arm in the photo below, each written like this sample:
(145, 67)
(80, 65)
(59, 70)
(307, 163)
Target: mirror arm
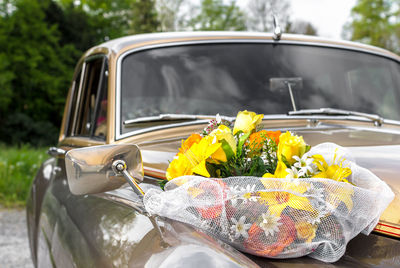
(119, 167)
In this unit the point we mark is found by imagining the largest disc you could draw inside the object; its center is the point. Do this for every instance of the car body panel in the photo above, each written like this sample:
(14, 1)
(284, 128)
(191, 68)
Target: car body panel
(112, 230)
(372, 148)
(108, 230)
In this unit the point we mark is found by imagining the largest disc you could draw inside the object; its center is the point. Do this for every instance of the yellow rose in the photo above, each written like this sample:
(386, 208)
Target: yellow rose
(180, 166)
(290, 146)
(228, 148)
(246, 121)
(193, 160)
(306, 231)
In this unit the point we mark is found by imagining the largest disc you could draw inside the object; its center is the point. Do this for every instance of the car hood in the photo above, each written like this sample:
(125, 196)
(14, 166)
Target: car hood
(375, 148)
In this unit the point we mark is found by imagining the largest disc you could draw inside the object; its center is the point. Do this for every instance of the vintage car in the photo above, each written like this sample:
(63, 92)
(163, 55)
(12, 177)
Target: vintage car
(135, 99)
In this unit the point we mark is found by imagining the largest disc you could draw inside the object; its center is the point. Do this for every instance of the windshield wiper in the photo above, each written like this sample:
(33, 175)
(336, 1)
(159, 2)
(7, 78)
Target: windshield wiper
(172, 117)
(376, 119)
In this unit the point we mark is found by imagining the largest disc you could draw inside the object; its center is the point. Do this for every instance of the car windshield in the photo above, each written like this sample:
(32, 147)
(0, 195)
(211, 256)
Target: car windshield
(225, 78)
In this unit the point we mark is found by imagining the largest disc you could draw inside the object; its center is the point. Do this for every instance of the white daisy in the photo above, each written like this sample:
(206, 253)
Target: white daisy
(248, 189)
(218, 119)
(251, 198)
(315, 192)
(239, 228)
(317, 216)
(305, 164)
(235, 194)
(293, 173)
(238, 193)
(247, 193)
(270, 223)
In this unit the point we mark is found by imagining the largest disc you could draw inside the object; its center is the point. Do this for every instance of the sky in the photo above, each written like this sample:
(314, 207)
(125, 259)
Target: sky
(328, 16)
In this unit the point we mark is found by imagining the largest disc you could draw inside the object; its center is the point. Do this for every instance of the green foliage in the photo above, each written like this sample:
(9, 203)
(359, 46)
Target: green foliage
(248, 160)
(144, 17)
(215, 15)
(18, 167)
(376, 22)
(38, 68)
(162, 184)
(40, 43)
(300, 27)
(20, 128)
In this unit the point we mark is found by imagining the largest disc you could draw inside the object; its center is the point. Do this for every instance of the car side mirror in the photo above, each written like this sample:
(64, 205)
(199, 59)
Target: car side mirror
(104, 168)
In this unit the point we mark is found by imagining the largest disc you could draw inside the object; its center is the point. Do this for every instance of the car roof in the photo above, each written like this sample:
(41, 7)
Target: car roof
(120, 44)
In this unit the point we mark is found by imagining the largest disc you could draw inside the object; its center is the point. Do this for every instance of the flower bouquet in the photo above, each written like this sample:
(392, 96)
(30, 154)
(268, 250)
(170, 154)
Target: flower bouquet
(269, 193)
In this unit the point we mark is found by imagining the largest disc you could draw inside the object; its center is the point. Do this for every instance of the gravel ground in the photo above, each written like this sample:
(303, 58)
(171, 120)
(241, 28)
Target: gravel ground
(14, 248)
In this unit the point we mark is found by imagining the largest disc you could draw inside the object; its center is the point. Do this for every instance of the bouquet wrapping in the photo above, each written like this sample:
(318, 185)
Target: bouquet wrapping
(285, 200)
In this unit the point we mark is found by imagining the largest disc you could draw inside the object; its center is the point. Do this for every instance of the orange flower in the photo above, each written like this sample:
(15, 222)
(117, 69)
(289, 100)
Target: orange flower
(285, 237)
(257, 139)
(273, 135)
(306, 231)
(194, 138)
(216, 190)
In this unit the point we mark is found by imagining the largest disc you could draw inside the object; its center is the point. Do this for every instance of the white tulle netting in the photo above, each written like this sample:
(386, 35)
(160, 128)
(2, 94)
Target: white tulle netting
(279, 217)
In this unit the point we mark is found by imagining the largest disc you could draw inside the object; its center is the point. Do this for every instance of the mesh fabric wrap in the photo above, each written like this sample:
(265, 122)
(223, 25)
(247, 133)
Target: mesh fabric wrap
(279, 218)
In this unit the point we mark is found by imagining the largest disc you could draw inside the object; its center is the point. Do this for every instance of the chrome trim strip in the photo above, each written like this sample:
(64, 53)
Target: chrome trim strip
(328, 117)
(118, 134)
(118, 122)
(149, 129)
(78, 99)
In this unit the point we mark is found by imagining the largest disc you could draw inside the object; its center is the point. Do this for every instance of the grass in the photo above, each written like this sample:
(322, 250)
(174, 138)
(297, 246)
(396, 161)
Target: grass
(18, 167)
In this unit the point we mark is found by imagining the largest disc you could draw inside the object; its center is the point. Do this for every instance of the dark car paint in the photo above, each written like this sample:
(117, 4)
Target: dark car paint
(110, 230)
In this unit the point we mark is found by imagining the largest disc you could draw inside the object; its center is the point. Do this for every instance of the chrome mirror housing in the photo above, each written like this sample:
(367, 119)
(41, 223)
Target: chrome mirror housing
(104, 168)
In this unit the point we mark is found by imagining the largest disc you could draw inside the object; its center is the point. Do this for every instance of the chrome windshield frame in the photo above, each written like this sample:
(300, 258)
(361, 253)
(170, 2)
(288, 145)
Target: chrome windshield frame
(118, 123)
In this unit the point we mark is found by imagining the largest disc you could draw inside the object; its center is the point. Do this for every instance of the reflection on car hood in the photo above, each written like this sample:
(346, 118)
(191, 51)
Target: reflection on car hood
(372, 148)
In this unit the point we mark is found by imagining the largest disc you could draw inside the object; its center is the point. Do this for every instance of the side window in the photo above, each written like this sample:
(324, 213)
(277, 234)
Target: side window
(73, 102)
(89, 103)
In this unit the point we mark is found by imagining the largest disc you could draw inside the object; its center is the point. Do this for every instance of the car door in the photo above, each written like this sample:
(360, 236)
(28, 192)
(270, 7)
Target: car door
(89, 230)
(73, 230)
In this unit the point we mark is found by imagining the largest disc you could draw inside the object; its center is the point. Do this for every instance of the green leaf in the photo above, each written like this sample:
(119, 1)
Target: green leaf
(241, 142)
(162, 184)
(227, 149)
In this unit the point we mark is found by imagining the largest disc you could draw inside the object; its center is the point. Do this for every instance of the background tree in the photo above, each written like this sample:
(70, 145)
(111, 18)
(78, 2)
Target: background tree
(375, 22)
(112, 19)
(260, 14)
(36, 73)
(217, 16)
(301, 27)
(40, 43)
(170, 14)
(144, 17)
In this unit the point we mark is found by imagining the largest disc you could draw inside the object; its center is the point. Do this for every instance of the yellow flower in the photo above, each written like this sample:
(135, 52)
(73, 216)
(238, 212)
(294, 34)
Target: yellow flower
(341, 194)
(290, 146)
(180, 166)
(280, 171)
(193, 160)
(306, 231)
(194, 138)
(289, 195)
(246, 121)
(277, 201)
(336, 172)
(228, 148)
